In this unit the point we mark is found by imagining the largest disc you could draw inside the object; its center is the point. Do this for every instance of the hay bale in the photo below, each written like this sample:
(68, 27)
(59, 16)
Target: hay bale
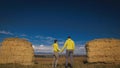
(103, 50)
(16, 50)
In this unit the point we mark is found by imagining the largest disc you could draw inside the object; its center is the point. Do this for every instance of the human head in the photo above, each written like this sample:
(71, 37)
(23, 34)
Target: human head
(69, 37)
(55, 41)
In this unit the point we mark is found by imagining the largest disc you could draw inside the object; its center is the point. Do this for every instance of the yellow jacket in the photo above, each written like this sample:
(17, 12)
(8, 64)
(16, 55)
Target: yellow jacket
(55, 47)
(69, 45)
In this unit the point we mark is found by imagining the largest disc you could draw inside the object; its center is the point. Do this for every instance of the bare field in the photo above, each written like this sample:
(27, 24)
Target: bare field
(46, 62)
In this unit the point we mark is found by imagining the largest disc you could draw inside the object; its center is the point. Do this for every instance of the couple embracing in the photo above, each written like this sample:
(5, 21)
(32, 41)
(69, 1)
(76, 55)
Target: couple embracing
(70, 46)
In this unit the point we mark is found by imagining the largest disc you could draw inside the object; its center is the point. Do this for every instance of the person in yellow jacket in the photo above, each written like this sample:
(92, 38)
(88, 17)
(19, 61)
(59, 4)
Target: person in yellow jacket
(56, 53)
(70, 47)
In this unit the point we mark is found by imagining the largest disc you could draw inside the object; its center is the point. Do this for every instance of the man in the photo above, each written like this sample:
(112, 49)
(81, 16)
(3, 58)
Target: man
(70, 47)
(56, 55)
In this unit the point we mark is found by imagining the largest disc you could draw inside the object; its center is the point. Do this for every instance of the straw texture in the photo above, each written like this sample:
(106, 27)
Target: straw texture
(103, 50)
(16, 50)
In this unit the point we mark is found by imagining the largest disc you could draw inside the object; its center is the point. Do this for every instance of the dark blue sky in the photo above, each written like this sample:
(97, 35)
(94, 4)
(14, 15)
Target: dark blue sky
(42, 21)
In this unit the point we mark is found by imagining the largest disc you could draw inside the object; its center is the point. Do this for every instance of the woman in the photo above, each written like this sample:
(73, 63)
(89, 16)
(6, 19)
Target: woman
(56, 55)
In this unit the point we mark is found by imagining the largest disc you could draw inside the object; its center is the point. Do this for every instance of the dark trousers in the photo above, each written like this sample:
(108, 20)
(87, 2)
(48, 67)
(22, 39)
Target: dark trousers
(69, 54)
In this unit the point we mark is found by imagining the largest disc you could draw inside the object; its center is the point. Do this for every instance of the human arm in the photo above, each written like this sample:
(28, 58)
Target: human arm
(73, 45)
(65, 44)
(57, 48)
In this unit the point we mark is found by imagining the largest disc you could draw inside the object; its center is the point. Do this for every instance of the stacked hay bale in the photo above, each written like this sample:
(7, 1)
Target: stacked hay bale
(103, 50)
(16, 50)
